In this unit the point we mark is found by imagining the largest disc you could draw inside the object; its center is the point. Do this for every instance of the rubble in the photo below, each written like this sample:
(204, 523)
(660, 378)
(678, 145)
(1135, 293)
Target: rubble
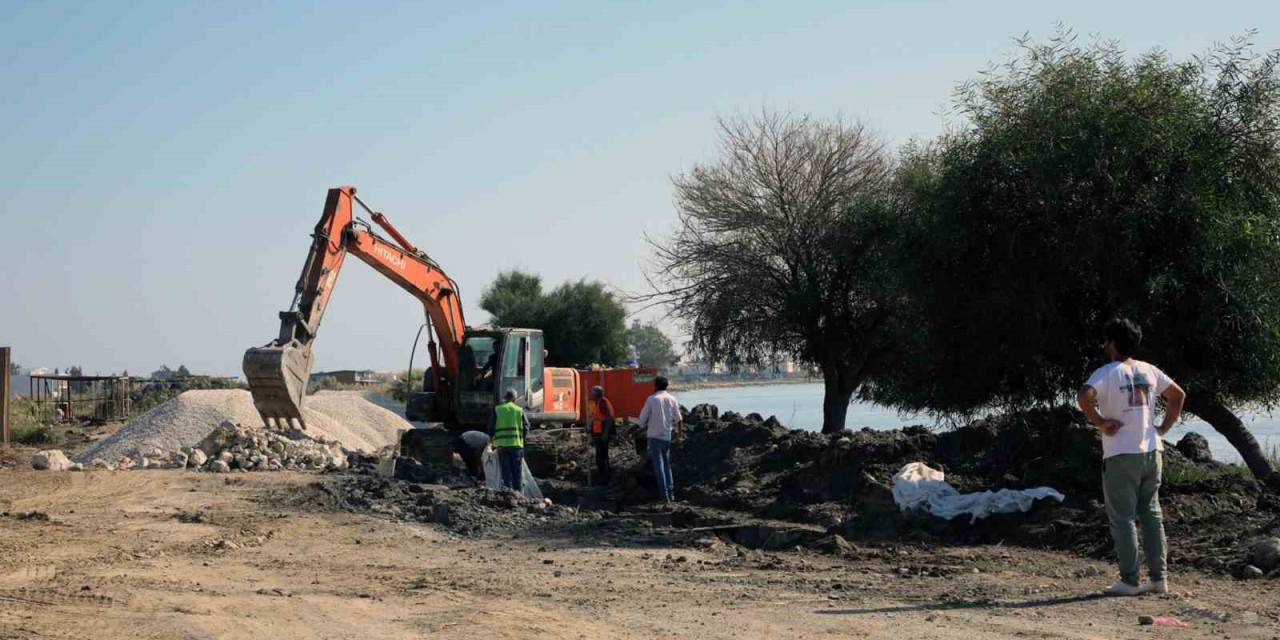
(233, 447)
(1265, 554)
(1195, 447)
(839, 482)
(179, 425)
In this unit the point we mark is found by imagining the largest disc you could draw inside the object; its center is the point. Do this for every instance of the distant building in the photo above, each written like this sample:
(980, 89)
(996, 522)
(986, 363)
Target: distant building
(353, 377)
(694, 368)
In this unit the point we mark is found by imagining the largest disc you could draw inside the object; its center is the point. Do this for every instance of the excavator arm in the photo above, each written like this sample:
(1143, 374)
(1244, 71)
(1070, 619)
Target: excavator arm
(278, 372)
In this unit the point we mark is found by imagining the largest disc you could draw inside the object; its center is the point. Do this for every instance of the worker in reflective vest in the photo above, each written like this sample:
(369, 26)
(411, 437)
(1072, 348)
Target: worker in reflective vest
(602, 433)
(507, 428)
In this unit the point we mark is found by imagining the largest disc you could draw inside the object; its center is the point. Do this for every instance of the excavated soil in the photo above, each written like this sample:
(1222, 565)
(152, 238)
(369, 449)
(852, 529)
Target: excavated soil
(841, 483)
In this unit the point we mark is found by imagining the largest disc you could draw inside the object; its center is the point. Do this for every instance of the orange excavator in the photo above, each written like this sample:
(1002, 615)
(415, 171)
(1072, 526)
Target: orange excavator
(471, 367)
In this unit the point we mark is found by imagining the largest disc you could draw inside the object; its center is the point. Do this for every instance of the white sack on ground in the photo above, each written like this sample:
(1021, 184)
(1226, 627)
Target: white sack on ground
(493, 475)
(917, 486)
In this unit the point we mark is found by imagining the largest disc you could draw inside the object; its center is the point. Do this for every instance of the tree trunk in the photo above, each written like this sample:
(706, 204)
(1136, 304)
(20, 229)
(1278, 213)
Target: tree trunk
(1223, 421)
(837, 390)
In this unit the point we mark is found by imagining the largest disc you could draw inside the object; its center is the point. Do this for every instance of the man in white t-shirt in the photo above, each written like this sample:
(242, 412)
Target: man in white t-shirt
(1119, 400)
(661, 421)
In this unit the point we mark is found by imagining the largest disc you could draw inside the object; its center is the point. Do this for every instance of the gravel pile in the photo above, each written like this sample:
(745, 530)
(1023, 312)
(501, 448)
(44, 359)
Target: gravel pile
(231, 447)
(345, 418)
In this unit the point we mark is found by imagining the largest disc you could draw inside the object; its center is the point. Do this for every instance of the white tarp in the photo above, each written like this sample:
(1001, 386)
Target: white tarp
(493, 475)
(917, 486)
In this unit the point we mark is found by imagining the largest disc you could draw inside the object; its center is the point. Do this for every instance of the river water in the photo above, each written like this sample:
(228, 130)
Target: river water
(799, 406)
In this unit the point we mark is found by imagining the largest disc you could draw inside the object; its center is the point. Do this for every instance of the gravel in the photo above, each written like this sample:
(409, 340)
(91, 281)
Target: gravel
(340, 416)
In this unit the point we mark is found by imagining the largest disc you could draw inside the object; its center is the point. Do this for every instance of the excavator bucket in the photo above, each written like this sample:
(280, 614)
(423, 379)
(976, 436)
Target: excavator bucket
(278, 378)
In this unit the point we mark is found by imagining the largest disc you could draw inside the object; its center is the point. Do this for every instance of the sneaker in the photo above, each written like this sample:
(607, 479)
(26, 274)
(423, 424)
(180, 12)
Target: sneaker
(1156, 586)
(1123, 588)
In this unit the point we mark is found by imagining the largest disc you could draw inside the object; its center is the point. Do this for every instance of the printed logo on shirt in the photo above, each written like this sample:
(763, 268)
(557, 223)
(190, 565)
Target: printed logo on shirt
(1138, 387)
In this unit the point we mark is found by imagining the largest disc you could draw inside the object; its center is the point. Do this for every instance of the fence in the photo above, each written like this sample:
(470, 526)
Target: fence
(63, 398)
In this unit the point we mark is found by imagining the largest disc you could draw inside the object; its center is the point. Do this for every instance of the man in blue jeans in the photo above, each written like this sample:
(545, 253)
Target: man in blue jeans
(508, 426)
(661, 421)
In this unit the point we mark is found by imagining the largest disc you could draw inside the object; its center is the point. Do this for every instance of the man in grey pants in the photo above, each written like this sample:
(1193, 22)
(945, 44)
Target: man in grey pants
(1119, 400)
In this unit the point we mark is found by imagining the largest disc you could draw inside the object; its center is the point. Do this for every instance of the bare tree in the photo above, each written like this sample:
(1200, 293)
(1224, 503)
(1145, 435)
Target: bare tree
(778, 251)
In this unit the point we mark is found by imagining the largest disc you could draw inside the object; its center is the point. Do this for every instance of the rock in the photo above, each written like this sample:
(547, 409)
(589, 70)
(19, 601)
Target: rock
(1089, 572)
(1195, 447)
(77, 467)
(1265, 554)
(1146, 620)
(875, 496)
(50, 460)
(197, 458)
(99, 463)
(440, 513)
(178, 461)
(1251, 572)
(219, 466)
(834, 544)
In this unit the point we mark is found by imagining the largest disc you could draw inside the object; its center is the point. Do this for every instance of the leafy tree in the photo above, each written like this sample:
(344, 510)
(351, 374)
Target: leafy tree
(583, 323)
(323, 383)
(182, 372)
(653, 347)
(1087, 185)
(515, 299)
(405, 383)
(15, 369)
(780, 250)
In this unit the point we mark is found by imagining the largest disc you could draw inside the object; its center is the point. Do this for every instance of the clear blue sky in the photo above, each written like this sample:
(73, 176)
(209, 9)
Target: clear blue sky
(164, 162)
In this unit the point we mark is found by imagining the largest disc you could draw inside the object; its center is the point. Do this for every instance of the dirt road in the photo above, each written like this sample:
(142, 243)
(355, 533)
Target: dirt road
(176, 554)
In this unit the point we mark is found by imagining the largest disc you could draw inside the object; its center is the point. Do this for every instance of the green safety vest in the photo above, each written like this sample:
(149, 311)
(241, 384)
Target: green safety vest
(508, 426)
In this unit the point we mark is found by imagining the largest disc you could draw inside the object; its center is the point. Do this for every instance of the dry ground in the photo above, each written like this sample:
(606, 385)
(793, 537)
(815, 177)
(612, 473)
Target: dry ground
(176, 554)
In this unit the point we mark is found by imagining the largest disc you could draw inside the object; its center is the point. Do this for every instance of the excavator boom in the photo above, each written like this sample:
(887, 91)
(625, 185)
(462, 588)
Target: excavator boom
(278, 372)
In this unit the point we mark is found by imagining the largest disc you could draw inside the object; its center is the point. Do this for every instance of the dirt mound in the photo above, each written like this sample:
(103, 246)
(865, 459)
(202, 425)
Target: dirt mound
(460, 506)
(342, 417)
(841, 481)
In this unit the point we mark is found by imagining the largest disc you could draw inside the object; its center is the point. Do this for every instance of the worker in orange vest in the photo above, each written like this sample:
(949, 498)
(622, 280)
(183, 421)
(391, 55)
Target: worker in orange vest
(602, 433)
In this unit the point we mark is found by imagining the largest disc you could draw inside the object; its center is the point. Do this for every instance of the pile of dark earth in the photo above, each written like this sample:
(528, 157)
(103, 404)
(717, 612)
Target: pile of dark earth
(467, 508)
(841, 483)
(751, 481)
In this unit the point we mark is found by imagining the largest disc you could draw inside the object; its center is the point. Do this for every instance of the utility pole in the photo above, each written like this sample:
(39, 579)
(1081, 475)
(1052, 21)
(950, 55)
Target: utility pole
(4, 395)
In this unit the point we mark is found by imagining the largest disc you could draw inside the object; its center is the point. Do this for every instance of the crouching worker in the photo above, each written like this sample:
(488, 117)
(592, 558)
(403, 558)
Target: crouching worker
(470, 446)
(508, 426)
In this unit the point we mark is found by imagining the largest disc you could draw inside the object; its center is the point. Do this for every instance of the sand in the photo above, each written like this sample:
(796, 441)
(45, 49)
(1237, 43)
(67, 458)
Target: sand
(341, 416)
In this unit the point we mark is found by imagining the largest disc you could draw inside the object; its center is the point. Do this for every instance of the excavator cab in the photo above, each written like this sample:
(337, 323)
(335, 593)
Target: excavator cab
(490, 362)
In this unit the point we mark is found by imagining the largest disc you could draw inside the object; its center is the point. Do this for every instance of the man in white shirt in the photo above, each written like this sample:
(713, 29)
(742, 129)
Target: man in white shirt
(661, 420)
(1119, 400)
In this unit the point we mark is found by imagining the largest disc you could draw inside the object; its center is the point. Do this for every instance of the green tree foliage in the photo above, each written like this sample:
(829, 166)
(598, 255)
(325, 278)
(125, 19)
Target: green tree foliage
(1087, 185)
(653, 347)
(781, 249)
(323, 383)
(404, 384)
(583, 322)
(515, 299)
(182, 372)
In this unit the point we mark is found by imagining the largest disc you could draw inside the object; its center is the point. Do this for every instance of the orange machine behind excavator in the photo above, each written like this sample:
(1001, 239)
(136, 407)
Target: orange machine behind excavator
(470, 367)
